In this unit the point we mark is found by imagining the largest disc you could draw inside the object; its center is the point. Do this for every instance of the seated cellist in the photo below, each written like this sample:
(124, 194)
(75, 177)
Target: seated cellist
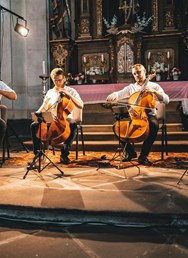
(139, 73)
(59, 79)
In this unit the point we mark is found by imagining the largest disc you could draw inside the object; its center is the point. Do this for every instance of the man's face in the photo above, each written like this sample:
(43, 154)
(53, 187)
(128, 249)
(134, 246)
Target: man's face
(59, 80)
(139, 74)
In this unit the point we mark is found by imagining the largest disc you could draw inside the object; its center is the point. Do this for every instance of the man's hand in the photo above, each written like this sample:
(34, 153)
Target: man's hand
(112, 97)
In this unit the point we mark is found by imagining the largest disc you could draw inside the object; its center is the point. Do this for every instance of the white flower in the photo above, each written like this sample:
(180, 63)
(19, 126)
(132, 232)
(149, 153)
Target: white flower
(94, 71)
(159, 67)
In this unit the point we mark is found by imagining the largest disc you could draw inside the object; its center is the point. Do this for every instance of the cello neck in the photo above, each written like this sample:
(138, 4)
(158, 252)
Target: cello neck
(150, 77)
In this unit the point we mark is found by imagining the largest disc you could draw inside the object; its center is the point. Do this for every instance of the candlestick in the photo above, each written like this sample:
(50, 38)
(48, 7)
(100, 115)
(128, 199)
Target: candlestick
(44, 83)
(168, 73)
(43, 67)
(168, 54)
(84, 59)
(148, 68)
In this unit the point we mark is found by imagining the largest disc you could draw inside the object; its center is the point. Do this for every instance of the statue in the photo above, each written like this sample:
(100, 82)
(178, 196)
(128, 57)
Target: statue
(60, 20)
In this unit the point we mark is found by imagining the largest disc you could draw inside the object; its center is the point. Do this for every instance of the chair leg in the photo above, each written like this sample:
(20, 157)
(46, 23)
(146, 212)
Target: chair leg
(82, 137)
(162, 143)
(5, 147)
(166, 142)
(77, 140)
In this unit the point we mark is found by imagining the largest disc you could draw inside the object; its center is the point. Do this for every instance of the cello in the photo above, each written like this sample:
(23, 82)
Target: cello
(59, 129)
(136, 129)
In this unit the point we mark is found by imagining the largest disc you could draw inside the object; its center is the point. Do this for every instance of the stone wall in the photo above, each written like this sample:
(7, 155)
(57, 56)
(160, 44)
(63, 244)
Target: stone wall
(23, 57)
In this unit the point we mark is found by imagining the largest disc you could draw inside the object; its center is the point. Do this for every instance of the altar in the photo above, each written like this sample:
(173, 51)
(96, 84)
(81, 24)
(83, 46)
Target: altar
(97, 93)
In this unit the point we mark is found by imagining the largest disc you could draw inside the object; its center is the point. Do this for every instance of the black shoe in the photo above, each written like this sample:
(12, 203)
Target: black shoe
(144, 161)
(64, 155)
(64, 159)
(129, 157)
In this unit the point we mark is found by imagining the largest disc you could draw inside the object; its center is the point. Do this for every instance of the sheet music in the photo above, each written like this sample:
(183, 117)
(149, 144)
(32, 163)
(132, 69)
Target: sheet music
(4, 86)
(47, 116)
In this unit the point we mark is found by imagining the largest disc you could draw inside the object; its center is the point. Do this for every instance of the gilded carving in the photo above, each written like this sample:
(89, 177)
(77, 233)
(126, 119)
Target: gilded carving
(155, 16)
(169, 19)
(99, 18)
(120, 60)
(125, 59)
(124, 40)
(84, 25)
(129, 59)
(59, 54)
(112, 54)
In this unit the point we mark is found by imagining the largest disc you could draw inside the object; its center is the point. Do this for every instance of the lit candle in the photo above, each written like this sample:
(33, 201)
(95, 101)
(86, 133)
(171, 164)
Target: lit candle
(149, 55)
(43, 67)
(102, 58)
(84, 59)
(168, 54)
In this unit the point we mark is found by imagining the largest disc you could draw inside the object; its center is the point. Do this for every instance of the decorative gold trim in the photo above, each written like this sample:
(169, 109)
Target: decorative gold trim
(169, 18)
(99, 18)
(112, 55)
(125, 40)
(84, 27)
(155, 16)
(138, 56)
(59, 54)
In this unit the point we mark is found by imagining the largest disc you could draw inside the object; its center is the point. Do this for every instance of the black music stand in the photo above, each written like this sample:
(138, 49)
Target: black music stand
(47, 118)
(121, 113)
(184, 165)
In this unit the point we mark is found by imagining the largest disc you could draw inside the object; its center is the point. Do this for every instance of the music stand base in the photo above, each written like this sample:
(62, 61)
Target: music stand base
(37, 158)
(184, 173)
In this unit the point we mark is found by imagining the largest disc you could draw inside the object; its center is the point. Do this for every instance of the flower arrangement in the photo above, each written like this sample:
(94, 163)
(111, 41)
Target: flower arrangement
(159, 67)
(111, 27)
(175, 71)
(79, 77)
(70, 79)
(141, 23)
(94, 71)
(112, 23)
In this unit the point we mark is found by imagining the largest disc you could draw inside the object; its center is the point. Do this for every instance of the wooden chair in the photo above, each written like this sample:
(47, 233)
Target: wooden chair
(77, 116)
(161, 116)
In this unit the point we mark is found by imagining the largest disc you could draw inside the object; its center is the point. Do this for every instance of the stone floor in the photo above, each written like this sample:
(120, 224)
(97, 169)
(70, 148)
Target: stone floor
(94, 189)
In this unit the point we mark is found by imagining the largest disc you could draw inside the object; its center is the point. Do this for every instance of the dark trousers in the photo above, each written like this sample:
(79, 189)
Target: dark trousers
(67, 144)
(2, 130)
(147, 144)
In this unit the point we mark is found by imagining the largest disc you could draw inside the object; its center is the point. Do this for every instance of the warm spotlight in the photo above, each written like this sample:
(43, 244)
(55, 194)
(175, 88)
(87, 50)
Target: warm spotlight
(22, 29)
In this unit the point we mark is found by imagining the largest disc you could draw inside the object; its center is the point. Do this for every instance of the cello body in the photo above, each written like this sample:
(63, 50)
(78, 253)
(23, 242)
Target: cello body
(136, 129)
(59, 129)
